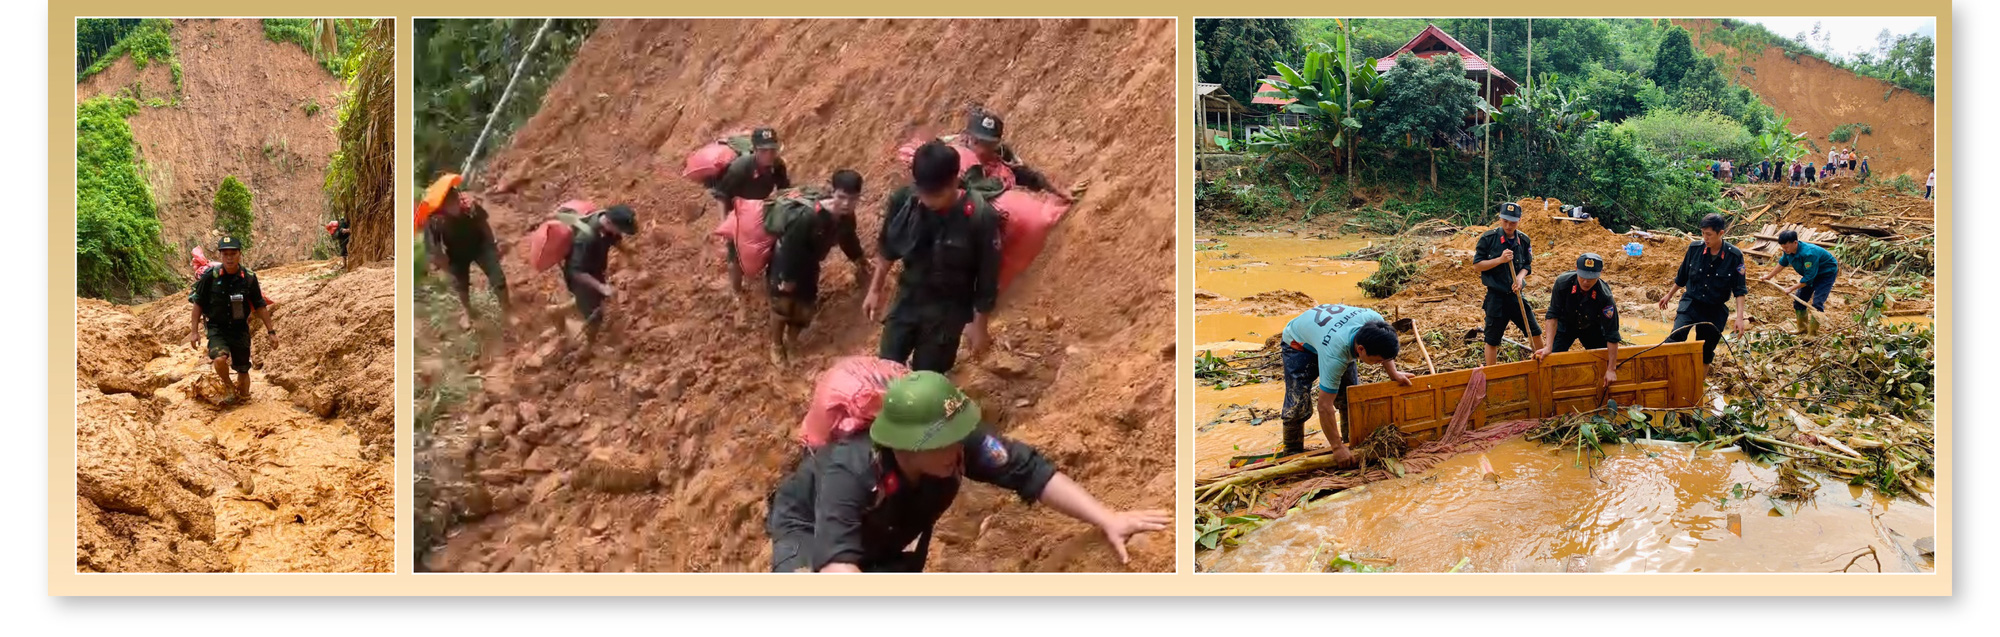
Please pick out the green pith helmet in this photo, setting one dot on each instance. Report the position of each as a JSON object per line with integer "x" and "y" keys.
{"x": 923, "y": 411}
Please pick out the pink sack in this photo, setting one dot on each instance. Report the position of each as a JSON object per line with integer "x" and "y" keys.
{"x": 548, "y": 244}
{"x": 1026, "y": 220}
{"x": 200, "y": 261}
{"x": 846, "y": 398}
{"x": 745, "y": 226}
{"x": 708, "y": 161}
{"x": 966, "y": 160}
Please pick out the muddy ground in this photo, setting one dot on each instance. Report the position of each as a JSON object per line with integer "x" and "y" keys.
{"x": 241, "y": 111}
{"x": 657, "y": 453}
{"x": 1819, "y": 96}
{"x": 298, "y": 479}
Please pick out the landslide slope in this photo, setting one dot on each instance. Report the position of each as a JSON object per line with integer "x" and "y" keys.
{"x": 657, "y": 453}
{"x": 1819, "y": 96}
{"x": 242, "y": 111}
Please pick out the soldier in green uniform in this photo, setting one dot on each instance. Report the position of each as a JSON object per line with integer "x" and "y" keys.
{"x": 225, "y": 297}
{"x": 1497, "y": 249}
{"x": 752, "y": 176}
{"x": 868, "y": 503}
{"x": 1712, "y": 272}
{"x": 1581, "y": 309}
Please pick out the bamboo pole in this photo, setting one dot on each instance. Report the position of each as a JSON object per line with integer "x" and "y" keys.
{"x": 504, "y": 94}
{"x": 1486, "y": 182}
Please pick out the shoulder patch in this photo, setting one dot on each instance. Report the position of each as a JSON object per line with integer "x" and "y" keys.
{"x": 1610, "y": 310}
{"x": 993, "y": 452}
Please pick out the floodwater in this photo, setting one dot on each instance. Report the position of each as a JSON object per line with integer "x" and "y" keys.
{"x": 1644, "y": 508}
{"x": 1250, "y": 265}
{"x": 1248, "y": 424}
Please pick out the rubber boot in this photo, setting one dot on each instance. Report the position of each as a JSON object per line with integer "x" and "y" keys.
{"x": 1805, "y": 324}
{"x": 1812, "y": 326}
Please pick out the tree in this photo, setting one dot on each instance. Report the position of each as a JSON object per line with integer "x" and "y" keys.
{"x": 1672, "y": 60}
{"x": 1239, "y": 52}
{"x": 361, "y": 179}
{"x": 1615, "y": 94}
{"x": 1686, "y": 138}
{"x": 1426, "y": 101}
{"x": 1332, "y": 118}
{"x": 462, "y": 67}
{"x": 233, "y": 215}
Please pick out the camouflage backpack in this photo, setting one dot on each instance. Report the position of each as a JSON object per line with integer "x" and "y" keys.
{"x": 790, "y": 206}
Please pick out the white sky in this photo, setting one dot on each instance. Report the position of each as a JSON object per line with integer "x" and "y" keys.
{"x": 1850, "y": 34}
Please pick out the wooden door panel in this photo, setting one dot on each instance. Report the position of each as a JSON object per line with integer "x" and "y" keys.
{"x": 1665, "y": 376}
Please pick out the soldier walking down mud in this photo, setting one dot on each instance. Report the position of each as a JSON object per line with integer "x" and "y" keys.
{"x": 752, "y": 176}
{"x": 226, "y": 297}
{"x": 457, "y": 235}
{"x": 584, "y": 270}
{"x": 1712, "y": 272}
{"x": 1817, "y": 269}
{"x": 792, "y": 280}
{"x": 949, "y": 243}
{"x": 1581, "y": 309}
{"x": 1504, "y": 259}
{"x": 1328, "y": 343}
{"x": 869, "y": 503}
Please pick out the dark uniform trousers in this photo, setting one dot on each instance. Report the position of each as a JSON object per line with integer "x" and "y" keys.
{"x": 1708, "y": 321}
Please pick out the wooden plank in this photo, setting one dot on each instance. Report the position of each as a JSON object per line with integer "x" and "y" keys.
{"x": 1667, "y": 376}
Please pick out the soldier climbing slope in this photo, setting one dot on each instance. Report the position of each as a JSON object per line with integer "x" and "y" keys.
{"x": 226, "y": 296}
{"x": 751, "y": 176}
{"x": 812, "y": 225}
{"x": 949, "y": 243}
{"x": 457, "y": 236}
{"x": 868, "y": 503}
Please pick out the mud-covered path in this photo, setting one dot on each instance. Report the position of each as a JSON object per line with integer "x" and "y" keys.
{"x": 300, "y": 478}
{"x": 657, "y": 452}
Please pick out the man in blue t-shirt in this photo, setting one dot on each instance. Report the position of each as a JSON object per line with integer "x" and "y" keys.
{"x": 1324, "y": 343}
{"x": 1817, "y": 270}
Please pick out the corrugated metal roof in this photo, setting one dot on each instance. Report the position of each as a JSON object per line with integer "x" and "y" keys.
{"x": 1203, "y": 88}
{"x": 1265, "y": 87}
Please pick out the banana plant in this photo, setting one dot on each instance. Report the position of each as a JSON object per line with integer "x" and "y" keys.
{"x": 1777, "y": 144}
{"x": 1319, "y": 91}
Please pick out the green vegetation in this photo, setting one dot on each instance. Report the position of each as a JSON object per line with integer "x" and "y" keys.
{"x": 331, "y": 41}
{"x": 147, "y": 41}
{"x": 1907, "y": 61}
{"x": 1845, "y": 132}
{"x": 118, "y": 249}
{"x": 1239, "y": 53}
{"x": 360, "y": 179}
{"x": 311, "y": 107}
{"x": 233, "y": 215}
{"x": 463, "y": 66}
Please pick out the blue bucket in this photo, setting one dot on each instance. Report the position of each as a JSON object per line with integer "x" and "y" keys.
{"x": 1634, "y": 249}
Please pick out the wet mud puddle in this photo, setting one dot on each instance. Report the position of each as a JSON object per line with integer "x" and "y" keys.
{"x": 1643, "y": 509}
{"x": 1254, "y": 284}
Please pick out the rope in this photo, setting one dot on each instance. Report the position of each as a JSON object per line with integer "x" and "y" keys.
{"x": 504, "y": 94}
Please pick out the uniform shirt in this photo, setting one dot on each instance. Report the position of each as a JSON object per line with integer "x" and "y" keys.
{"x": 1812, "y": 262}
{"x": 743, "y": 180}
{"x": 1583, "y": 310}
{"x": 1712, "y": 278}
{"x": 1491, "y": 245}
{"x": 951, "y": 258}
{"x": 1024, "y": 175}
{"x": 803, "y": 247}
{"x": 211, "y": 293}
{"x": 589, "y": 250}
{"x": 1328, "y": 332}
{"x": 858, "y": 508}
{"x": 462, "y": 235}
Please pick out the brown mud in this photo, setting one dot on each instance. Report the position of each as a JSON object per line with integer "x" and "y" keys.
{"x": 241, "y": 111}
{"x": 656, "y": 451}
{"x": 298, "y": 479}
{"x": 1819, "y": 96}
{"x": 1644, "y": 508}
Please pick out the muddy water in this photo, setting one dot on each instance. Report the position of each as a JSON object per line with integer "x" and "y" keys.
{"x": 1643, "y": 331}
{"x": 1249, "y": 265}
{"x": 1235, "y": 435}
{"x": 1643, "y": 509}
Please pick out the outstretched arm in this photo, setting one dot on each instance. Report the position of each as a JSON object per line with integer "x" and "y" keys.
{"x": 1067, "y": 497}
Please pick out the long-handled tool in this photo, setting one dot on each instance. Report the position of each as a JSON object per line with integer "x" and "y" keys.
{"x": 1788, "y": 294}
{"x": 1529, "y": 332}
{"x": 1407, "y": 324}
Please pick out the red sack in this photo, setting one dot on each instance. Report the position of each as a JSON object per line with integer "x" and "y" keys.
{"x": 200, "y": 261}
{"x": 966, "y": 160}
{"x": 548, "y": 244}
{"x": 708, "y": 161}
{"x": 1025, "y": 222}
{"x": 745, "y": 226}
{"x": 846, "y": 398}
